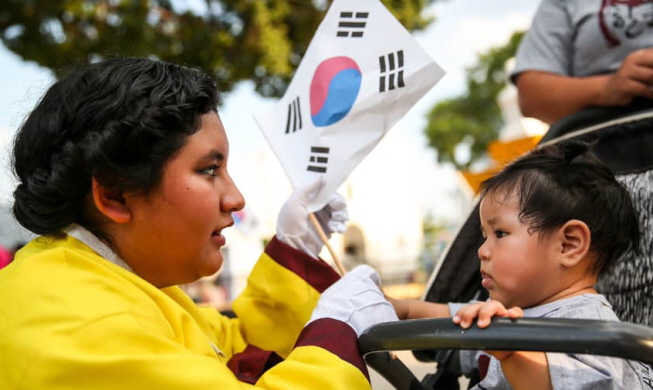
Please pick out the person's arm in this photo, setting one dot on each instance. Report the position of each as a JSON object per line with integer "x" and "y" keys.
{"x": 525, "y": 370}
{"x": 522, "y": 369}
{"x": 281, "y": 293}
{"x": 289, "y": 277}
{"x": 133, "y": 352}
{"x": 550, "y": 97}
{"x": 270, "y": 342}
{"x": 408, "y": 309}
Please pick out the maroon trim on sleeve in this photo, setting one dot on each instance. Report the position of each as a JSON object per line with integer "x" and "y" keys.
{"x": 315, "y": 272}
{"x": 249, "y": 365}
{"x": 336, "y": 337}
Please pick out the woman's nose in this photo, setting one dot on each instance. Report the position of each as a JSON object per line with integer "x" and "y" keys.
{"x": 233, "y": 199}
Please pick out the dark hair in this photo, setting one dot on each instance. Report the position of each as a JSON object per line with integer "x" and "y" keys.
{"x": 565, "y": 181}
{"x": 118, "y": 121}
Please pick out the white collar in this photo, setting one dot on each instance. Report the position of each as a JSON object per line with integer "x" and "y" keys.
{"x": 102, "y": 249}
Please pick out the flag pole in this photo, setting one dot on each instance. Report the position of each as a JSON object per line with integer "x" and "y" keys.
{"x": 325, "y": 240}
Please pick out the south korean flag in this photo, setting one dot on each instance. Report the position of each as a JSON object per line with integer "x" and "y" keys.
{"x": 361, "y": 73}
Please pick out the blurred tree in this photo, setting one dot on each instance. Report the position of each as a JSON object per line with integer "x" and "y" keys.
{"x": 259, "y": 40}
{"x": 437, "y": 234}
{"x": 473, "y": 119}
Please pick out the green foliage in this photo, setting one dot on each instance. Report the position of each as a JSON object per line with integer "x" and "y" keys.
{"x": 432, "y": 228}
{"x": 473, "y": 119}
{"x": 437, "y": 233}
{"x": 259, "y": 40}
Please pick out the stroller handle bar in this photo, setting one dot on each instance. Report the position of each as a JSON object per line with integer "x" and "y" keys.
{"x": 596, "y": 337}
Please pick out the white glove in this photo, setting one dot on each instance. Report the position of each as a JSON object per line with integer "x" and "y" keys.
{"x": 294, "y": 227}
{"x": 357, "y": 300}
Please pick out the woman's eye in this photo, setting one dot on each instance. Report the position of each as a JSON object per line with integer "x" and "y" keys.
{"x": 211, "y": 171}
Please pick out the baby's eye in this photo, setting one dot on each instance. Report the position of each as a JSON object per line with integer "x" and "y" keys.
{"x": 500, "y": 233}
{"x": 211, "y": 171}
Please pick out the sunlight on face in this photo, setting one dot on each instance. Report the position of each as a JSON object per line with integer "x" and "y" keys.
{"x": 517, "y": 266}
{"x": 175, "y": 235}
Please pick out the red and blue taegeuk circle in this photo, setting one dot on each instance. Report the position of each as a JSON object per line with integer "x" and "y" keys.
{"x": 334, "y": 89}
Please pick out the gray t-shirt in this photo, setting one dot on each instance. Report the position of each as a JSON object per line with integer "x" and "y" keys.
{"x": 584, "y": 37}
{"x": 572, "y": 371}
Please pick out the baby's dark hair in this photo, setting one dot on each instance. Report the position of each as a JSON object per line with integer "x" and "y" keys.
{"x": 565, "y": 181}
{"x": 118, "y": 121}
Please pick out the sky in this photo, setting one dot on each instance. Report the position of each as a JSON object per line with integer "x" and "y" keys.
{"x": 462, "y": 30}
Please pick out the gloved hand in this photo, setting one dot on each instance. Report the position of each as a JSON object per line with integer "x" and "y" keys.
{"x": 357, "y": 300}
{"x": 294, "y": 227}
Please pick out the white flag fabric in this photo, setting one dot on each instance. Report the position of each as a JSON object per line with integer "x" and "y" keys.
{"x": 361, "y": 73}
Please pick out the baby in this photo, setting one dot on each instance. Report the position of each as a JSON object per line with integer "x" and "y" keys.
{"x": 552, "y": 221}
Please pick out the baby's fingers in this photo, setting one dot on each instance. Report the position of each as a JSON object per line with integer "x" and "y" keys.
{"x": 489, "y": 310}
{"x": 467, "y": 314}
{"x": 483, "y": 313}
{"x": 496, "y": 310}
{"x": 515, "y": 312}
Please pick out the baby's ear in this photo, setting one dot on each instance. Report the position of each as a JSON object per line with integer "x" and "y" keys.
{"x": 110, "y": 203}
{"x": 575, "y": 237}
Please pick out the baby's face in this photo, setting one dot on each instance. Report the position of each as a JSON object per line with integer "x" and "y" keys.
{"x": 518, "y": 267}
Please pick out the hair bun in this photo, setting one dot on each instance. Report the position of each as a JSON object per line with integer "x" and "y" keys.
{"x": 573, "y": 150}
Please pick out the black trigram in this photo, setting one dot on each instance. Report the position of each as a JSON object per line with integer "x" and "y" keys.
{"x": 352, "y": 24}
{"x": 294, "y": 120}
{"x": 318, "y": 160}
{"x": 392, "y": 71}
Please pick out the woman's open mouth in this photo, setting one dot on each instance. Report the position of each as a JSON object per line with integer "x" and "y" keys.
{"x": 218, "y": 238}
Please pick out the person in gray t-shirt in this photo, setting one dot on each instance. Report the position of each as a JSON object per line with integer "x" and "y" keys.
{"x": 552, "y": 221}
{"x": 581, "y": 53}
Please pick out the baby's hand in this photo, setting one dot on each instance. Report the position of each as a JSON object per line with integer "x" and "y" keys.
{"x": 484, "y": 311}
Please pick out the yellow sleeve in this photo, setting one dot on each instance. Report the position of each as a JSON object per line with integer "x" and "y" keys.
{"x": 314, "y": 368}
{"x": 280, "y": 295}
{"x": 118, "y": 353}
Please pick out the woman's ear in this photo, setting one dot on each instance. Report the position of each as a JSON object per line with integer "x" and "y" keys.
{"x": 110, "y": 203}
{"x": 575, "y": 236}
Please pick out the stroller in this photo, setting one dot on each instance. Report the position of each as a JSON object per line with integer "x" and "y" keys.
{"x": 622, "y": 138}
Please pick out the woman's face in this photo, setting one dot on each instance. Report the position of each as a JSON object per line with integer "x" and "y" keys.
{"x": 174, "y": 235}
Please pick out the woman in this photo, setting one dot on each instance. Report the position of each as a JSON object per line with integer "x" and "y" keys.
{"x": 122, "y": 170}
